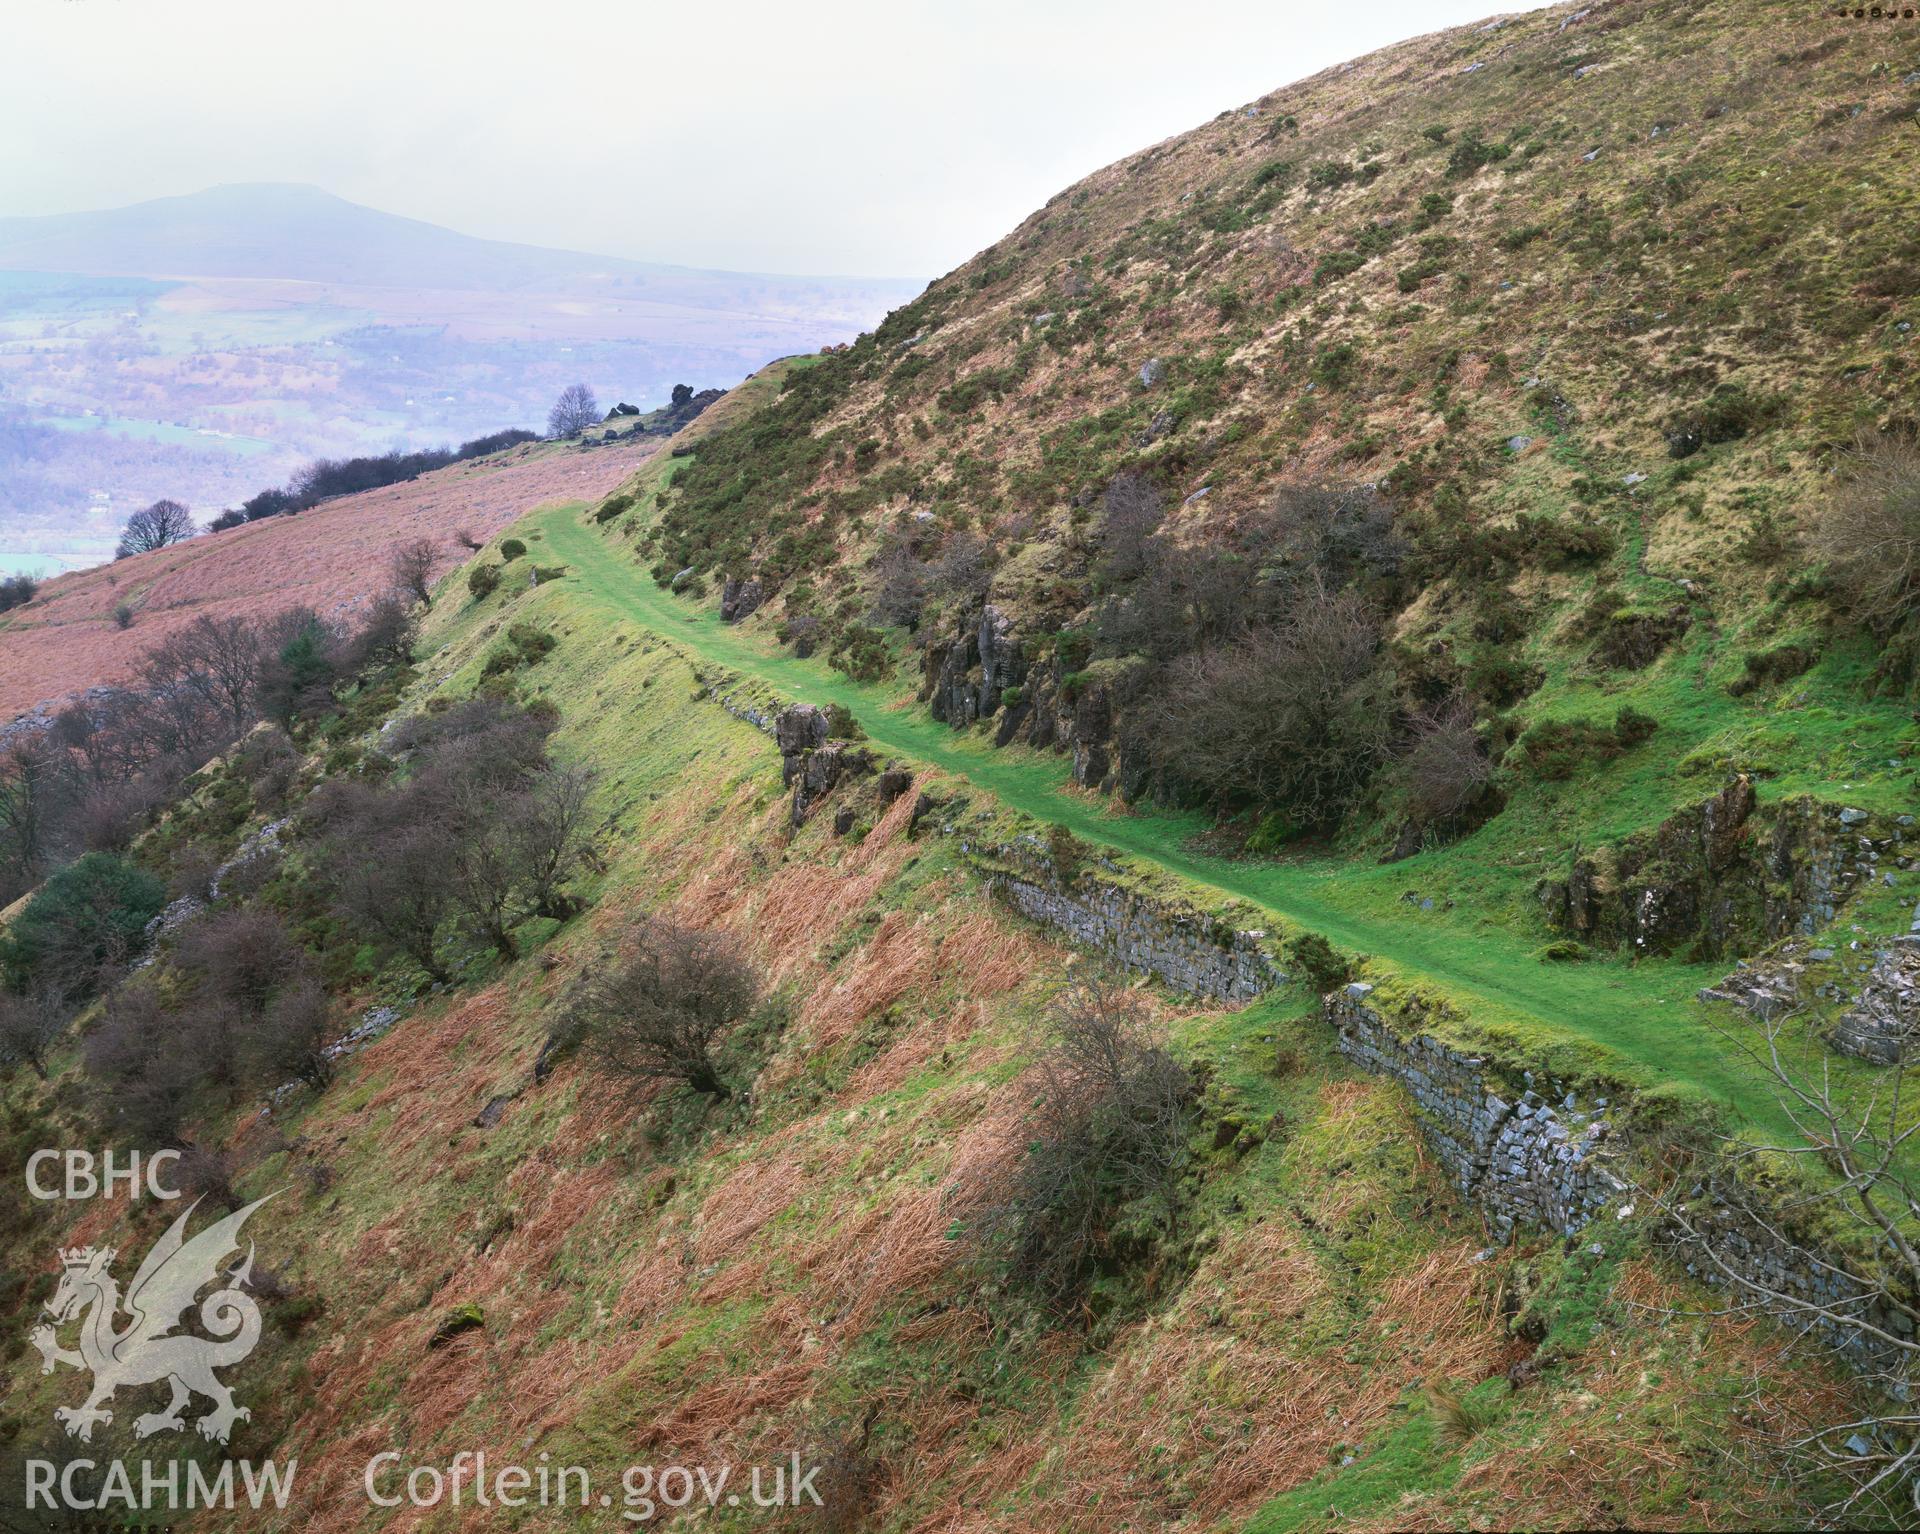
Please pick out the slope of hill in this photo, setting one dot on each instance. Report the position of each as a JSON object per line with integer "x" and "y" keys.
{"x": 334, "y": 558}
{"x": 489, "y": 1245}
{"x": 1541, "y": 340}
{"x": 1253, "y": 373}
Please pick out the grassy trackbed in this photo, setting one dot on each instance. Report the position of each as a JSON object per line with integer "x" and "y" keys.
{"x": 1637, "y": 1020}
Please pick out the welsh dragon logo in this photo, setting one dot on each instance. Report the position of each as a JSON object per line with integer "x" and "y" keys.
{"x": 149, "y": 1348}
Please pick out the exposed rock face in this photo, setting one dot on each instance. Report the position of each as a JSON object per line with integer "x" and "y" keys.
{"x": 965, "y": 677}
{"x": 738, "y": 598}
{"x": 1002, "y": 664}
{"x": 810, "y": 763}
{"x": 950, "y": 691}
{"x": 1884, "y": 1020}
{"x": 1723, "y": 876}
{"x": 796, "y": 731}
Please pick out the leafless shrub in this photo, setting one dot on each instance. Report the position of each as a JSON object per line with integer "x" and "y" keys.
{"x": 1101, "y": 1181}
{"x": 412, "y": 568}
{"x": 385, "y": 636}
{"x": 1447, "y": 767}
{"x": 899, "y": 587}
{"x": 239, "y": 958}
{"x": 961, "y": 567}
{"x": 551, "y": 840}
{"x": 1186, "y": 598}
{"x": 30, "y": 1024}
{"x": 1870, "y": 533}
{"x": 850, "y": 1476}
{"x": 1133, "y": 508}
{"x": 207, "y": 1172}
{"x": 1293, "y": 717}
{"x": 288, "y": 1040}
{"x": 143, "y": 1067}
{"x": 663, "y": 1006}
{"x": 1338, "y": 534}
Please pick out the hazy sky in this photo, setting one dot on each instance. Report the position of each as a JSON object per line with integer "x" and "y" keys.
{"x": 878, "y": 137}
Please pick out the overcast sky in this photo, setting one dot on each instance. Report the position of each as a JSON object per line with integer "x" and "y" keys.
{"x": 872, "y": 137}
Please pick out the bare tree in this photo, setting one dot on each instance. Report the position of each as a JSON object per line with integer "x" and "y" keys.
{"x": 573, "y": 412}
{"x": 413, "y": 568}
{"x": 36, "y": 782}
{"x": 899, "y": 587}
{"x": 1447, "y": 767}
{"x": 661, "y": 1009}
{"x": 551, "y": 841}
{"x": 1134, "y": 506}
{"x": 288, "y": 1039}
{"x": 143, "y": 1067}
{"x": 388, "y": 871}
{"x": 217, "y": 658}
{"x": 1108, "y": 1134}
{"x": 1294, "y": 717}
{"x": 1870, "y": 533}
{"x": 161, "y": 524}
{"x": 1856, "y": 1149}
{"x": 30, "y": 1022}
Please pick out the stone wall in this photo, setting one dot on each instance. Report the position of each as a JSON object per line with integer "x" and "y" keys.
{"x": 1184, "y": 948}
{"x": 1531, "y": 1151}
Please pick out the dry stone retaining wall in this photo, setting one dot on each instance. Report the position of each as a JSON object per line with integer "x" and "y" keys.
{"x": 1543, "y": 1157}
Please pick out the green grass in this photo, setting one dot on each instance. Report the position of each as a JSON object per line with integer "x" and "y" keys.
{"x": 1634, "y": 1019}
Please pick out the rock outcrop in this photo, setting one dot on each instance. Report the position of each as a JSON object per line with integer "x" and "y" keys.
{"x": 1725, "y": 876}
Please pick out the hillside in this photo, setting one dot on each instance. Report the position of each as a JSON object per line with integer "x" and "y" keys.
{"x": 1574, "y": 457}
{"x": 630, "y": 1277}
{"x": 333, "y": 558}
{"x": 1091, "y": 914}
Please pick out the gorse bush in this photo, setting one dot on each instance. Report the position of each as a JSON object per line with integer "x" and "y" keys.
{"x": 88, "y": 919}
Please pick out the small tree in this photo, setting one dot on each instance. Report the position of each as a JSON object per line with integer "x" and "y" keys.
{"x": 1447, "y": 768}
{"x": 388, "y": 870}
{"x": 1294, "y": 717}
{"x": 1106, "y": 1148}
{"x": 412, "y": 568}
{"x": 1870, "y": 534}
{"x": 161, "y": 524}
{"x": 661, "y": 1009}
{"x": 29, "y": 1025}
{"x": 288, "y": 1039}
{"x": 573, "y": 412}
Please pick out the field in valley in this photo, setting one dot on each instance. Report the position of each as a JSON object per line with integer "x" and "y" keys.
{"x": 333, "y": 559}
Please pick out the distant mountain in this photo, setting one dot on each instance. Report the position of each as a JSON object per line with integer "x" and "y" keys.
{"x": 302, "y": 233}
{"x": 201, "y": 347}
